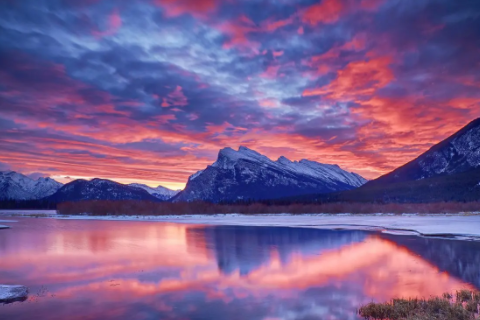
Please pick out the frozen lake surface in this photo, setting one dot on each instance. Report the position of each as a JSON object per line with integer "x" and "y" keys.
{"x": 203, "y": 268}
{"x": 463, "y": 226}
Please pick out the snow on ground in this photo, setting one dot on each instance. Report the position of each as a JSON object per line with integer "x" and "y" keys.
{"x": 463, "y": 226}
{"x": 12, "y": 293}
{"x": 26, "y": 212}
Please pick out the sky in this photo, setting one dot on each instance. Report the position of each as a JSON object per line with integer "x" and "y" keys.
{"x": 149, "y": 90}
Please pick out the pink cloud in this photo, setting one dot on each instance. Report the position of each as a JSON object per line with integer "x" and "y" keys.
{"x": 268, "y": 103}
{"x": 240, "y": 28}
{"x": 114, "y": 23}
{"x": 197, "y": 8}
{"x": 175, "y": 98}
{"x": 277, "y": 53}
{"x": 327, "y": 11}
{"x": 271, "y": 25}
{"x": 270, "y": 73}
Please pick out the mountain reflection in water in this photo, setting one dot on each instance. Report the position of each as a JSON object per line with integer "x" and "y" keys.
{"x": 152, "y": 270}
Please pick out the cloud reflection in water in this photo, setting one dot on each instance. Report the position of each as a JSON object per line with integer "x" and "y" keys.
{"x": 144, "y": 270}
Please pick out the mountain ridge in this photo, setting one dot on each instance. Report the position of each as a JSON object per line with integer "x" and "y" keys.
{"x": 159, "y": 192}
{"x": 16, "y": 186}
{"x": 444, "y": 157}
{"x": 246, "y": 174}
{"x": 447, "y": 171}
{"x": 99, "y": 189}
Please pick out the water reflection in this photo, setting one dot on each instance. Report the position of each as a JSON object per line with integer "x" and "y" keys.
{"x": 140, "y": 270}
{"x": 459, "y": 258}
{"x": 244, "y": 249}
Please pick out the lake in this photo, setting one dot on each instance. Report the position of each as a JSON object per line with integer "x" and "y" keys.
{"x": 89, "y": 269}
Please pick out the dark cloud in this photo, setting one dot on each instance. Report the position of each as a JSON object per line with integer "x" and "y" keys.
{"x": 128, "y": 82}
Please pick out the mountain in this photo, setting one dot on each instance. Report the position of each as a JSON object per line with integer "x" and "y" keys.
{"x": 448, "y": 171}
{"x": 456, "y": 154}
{"x": 159, "y": 192}
{"x": 99, "y": 189}
{"x": 16, "y": 186}
{"x": 246, "y": 174}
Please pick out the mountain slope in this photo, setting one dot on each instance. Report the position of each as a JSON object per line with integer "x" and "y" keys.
{"x": 99, "y": 189}
{"x": 159, "y": 192}
{"x": 448, "y": 171}
{"x": 16, "y": 186}
{"x": 246, "y": 174}
{"x": 458, "y": 153}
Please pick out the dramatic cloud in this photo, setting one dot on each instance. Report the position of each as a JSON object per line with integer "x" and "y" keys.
{"x": 149, "y": 90}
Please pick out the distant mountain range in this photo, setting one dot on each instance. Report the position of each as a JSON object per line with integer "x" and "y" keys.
{"x": 99, "y": 189}
{"x": 248, "y": 175}
{"x": 448, "y": 171}
{"x": 159, "y": 192}
{"x": 17, "y": 186}
{"x": 236, "y": 175}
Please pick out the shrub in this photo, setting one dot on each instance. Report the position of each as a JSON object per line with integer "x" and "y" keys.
{"x": 131, "y": 207}
{"x": 424, "y": 309}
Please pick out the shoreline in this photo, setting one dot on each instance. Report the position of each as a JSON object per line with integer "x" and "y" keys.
{"x": 461, "y": 226}
{"x": 445, "y": 226}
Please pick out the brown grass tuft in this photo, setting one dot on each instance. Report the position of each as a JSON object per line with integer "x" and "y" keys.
{"x": 425, "y": 309}
{"x": 100, "y": 207}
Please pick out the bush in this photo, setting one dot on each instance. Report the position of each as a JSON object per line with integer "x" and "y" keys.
{"x": 131, "y": 207}
{"x": 425, "y": 309}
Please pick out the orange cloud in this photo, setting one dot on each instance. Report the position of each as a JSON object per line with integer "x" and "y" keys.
{"x": 357, "y": 79}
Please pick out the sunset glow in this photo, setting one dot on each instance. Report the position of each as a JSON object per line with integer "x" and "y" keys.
{"x": 148, "y": 91}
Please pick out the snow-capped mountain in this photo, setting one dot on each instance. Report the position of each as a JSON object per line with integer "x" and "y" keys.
{"x": 159, "y": 192}
{"x": 99, "y": 189}
{"x": 246, "y": 174}
{"x": 16, "y": 186}
{"x": 456, "y": 154}
{"x": 448, "y": 171}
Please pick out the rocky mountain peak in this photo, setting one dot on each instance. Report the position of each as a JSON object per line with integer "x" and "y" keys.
{"x": 14, "y": 185}
{"x": 247, "y": 174}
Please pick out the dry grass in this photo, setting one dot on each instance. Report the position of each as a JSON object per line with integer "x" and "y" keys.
{"x": 464, "y": 307}
{"x": 166, "y": 208}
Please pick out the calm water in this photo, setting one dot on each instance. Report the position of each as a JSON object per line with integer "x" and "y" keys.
{"x": 152, "y": 270}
